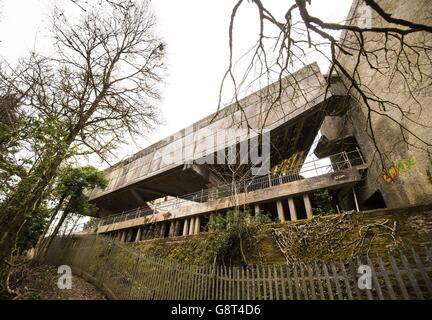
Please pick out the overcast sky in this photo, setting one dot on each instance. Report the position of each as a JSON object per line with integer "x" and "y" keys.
{"x": 196, "y": 34}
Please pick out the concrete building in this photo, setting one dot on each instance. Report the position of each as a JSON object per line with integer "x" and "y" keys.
{"x": 403, "y": 131}
{"x": 172, "y": 187}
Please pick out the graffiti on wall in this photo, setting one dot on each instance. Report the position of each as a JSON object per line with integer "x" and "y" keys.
{"x": 400, "y": 167}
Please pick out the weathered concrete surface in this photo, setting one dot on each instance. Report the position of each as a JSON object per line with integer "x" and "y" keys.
{"x": 415, "y": 185}
{"x": 340, "y": 179}
{"x": 413, "y": 228}
{"x": 155, "y": 169}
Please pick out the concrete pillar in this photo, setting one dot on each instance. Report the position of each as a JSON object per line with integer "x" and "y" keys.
{"x": 129, "y": 235}
{"x": 308, "y": 206}
{"x": 138, "y": 236}
{"x": 186, "y": 227}
{"x": 162, "y": 230}
{"x": 171, "y": 229}
{"x": 197, "y": 225}
{"x": 257, "y": 209}
{"x": 280, "y": 211}
{"x": 355, "y": 200}
{"x": 191, "y": 226}
{"x": 123, "y": 236}
{"x": 177, "y": 226}
{"x": 292, "y": 209}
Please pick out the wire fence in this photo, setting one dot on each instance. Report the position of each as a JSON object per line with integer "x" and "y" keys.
{"x": 334, "y": 163}
{"x": 126, "y": 273}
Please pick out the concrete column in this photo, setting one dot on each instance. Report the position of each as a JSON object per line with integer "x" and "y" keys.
{"x": 185, "y": 227}
{"x": 257, "y": 209}
{"x": 146, "y": 232}
{"x": 162, "y": 230}
{"x": 129, "y": 236}
{"x": 280, "y": 211}
{"x": 171, "y": 229}
{"x": 355, "y": 200}
{"x": 197, "y": 225}
{"x": 292, "y": 209}
{"x": 177, "y": 226}
{"x": 191, "y": 226}
{"x": 308, "y": 206}
{"x": 123, "y": 236}
{"x": 138, "y": 236}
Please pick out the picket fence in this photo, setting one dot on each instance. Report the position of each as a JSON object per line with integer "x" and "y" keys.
{"x": 126, "y": 273}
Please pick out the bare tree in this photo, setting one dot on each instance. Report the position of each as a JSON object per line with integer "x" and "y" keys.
{"x": 394, "y": 48}
{"x": 101, "y": 85}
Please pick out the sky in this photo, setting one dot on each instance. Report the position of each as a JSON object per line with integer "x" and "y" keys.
{"x": 196, "y": 34}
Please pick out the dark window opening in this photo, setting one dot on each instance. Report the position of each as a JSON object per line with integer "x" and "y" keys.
{"x": 375, "y": 201}
{"x": 300, "y": 207}
{"x": 270, "y": 209}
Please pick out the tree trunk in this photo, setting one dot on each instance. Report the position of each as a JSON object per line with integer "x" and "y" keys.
{"x": 16, "y": 209}
{"x": 39, "y": 245}
{"x": 46, "y": 246}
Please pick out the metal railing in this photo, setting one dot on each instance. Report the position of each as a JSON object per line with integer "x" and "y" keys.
{"x": 334, "y": 163}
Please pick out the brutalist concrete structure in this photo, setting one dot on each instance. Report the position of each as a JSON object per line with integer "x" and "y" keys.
{"x": 150, "y": 197}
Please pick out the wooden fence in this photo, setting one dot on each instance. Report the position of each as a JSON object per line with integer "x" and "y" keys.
{"x": 124, "y": 273}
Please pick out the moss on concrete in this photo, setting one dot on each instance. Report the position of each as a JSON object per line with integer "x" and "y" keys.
{"x": 412, "y": 227}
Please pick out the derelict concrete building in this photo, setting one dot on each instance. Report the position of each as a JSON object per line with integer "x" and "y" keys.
{"x": 171, "y": 188}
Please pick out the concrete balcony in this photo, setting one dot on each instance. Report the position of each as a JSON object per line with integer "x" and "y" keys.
{"x": 183, "y": 214}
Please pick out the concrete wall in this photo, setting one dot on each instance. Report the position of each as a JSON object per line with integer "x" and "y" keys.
{"x": 415, "y": 185}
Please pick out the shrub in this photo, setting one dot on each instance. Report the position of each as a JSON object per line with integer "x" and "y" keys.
{"x": 233, "y": 234}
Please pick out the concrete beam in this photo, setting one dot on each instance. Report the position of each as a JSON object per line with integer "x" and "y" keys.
{"x": 292, "y": 209}
{"x": 280, "y": 211}
{"x": 308, "y": 206}
{"x": 137, "y": 196}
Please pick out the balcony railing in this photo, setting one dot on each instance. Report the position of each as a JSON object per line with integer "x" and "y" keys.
{"x": 333, "y": 163}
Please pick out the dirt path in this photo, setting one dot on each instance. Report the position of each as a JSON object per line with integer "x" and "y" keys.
{"x": 40, "y": 283}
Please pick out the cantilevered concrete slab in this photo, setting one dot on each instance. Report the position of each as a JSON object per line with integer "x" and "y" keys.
{"x": 288, "y": 109}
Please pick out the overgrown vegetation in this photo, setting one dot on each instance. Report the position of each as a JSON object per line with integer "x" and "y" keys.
{"x": 322, "y": 202}
{"x": 323, "y": 238}
{"x": 98, "y": 87}
{"x": 233, "y": 234}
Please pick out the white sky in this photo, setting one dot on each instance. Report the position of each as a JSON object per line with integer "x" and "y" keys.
{"x": 196, "y": 34}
